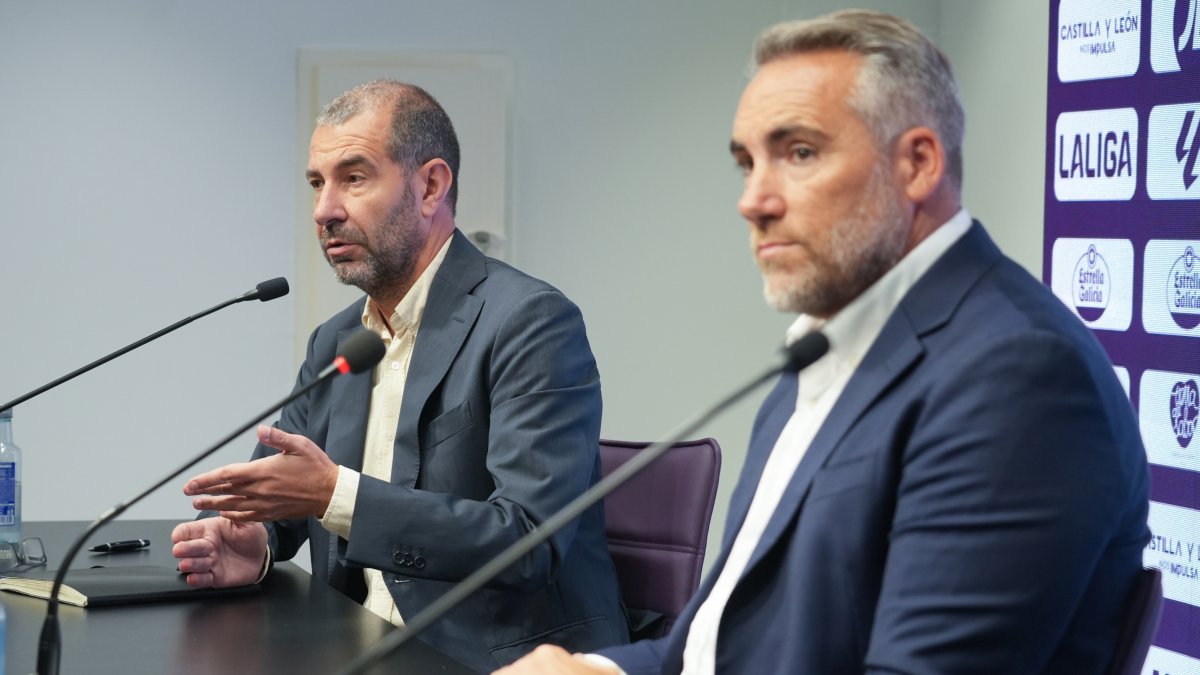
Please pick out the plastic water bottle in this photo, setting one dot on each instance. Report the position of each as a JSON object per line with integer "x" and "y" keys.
{"x": 10, "y": 482}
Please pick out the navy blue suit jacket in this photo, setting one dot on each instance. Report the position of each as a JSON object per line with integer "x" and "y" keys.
{"x": 499, "y": 428}
{"x": 974, "y": 503}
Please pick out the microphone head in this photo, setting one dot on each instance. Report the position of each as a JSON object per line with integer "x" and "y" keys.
{"x": 803, "y": 352}
{"x": 362, "y": 351}
{"x": 271, "y": 289}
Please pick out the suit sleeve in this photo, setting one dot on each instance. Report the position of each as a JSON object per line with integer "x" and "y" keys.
{"x": 1014, "y": 482}
{"x": 644, "y": 657}
{"x": 544, "y": 425}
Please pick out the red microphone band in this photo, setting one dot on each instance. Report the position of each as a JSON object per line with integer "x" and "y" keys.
{"x": 341, "y": 364}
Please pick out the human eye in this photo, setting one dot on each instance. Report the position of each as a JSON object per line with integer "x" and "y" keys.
{"x": 801, "y": 153}
{"x": 315, "y": 183}
{"x": 743, "y": 164}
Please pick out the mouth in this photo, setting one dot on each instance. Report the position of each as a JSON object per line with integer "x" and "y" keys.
{"x": 770, "y": 250}
{"x": 336, "y": 249}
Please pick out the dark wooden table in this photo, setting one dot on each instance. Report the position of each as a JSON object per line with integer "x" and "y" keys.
{"x": 294, "y": 625}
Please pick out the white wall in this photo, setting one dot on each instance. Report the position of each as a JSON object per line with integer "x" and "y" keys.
{"x": 1000, "y": 52}
{"x": 148, "y": 171}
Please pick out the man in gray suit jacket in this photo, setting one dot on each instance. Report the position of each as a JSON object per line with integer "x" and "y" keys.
{"x": 481, "y": 421}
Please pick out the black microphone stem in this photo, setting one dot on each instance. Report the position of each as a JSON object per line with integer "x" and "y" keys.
{"x": 50, "y": 642}
{"x": 559, "y": 520}
{"x": 105, "y": 359}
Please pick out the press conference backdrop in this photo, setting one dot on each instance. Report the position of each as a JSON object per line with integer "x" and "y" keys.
{"x": 1122, "y": 249}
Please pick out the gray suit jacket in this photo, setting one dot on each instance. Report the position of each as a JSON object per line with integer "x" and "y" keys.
{"x": 498, "y": 430}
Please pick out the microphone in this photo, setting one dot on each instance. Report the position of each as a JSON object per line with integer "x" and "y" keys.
{"x": 797, "y": 356}
{"x": 267, "y": 290}
{"x": 359, "y": 353}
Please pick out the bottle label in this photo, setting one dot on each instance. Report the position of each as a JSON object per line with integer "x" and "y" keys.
{"x": 8, "y": 494}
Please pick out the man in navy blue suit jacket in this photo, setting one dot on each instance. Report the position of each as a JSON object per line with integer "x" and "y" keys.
{"x": 958, "y": 486}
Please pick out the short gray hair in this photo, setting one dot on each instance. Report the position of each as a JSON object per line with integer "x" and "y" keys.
{"x": 905, "y": 81}
{"x": 420, "y": 128}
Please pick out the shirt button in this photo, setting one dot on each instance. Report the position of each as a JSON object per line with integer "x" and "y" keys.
{"x": 395, "y": 365}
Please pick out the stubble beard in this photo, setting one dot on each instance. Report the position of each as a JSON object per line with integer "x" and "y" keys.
{"x": 862, "y": 247}
{"x": 389, "y": 260}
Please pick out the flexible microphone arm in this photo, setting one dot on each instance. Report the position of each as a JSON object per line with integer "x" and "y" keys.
{"x": 359, "y": 352}
{"x": 267, "y": 290}
{"x": 799, "y": 355}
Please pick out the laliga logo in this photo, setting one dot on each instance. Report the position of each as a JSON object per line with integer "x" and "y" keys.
{"x": 1189, "y": 35}
{"x": 1175, "y": 35}
{"x": 1091, "y": 273}
{"x": 1185, "y": 407}
{"x": 1186, "y": 151}
{"x": 1183, "y": 290}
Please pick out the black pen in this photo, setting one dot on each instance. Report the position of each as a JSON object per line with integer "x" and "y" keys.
{"x": 118, "y": 546}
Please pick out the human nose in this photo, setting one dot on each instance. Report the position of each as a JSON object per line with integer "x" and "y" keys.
{"x": 761, "y": 200}
{"x": 328, "y": 208}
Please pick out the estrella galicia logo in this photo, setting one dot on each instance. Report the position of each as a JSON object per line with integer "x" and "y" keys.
{"x": 1174, "y": 35}
{"x": 1185, "y": 407}
{"x": 1094, "y": 285}
{"x": 1173, "y": 148}
{"x": 1095, "y": 155}
{"x": 1183, "y": 290}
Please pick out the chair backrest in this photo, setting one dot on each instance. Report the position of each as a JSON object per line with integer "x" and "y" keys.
{"x": 1141, "y": 621}
{"x": 657, "y": 526}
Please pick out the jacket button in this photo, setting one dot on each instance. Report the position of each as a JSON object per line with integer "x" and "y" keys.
{"x": 419, "y": 563}
{"x": 408, "y": 560}
{"x": 398, "y": 558}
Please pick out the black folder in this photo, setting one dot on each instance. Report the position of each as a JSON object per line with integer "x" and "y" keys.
{"x": 106, "y": 586}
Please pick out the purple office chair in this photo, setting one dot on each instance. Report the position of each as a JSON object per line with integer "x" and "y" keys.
{"x": 1141, "y": 621}
{"x": 657, "y": 526}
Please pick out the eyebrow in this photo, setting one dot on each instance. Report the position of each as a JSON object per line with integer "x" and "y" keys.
{"x": 347, "y": 163}
{"x": 781, "y": 134}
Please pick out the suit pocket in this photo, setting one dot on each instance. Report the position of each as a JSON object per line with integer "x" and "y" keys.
{"x": 582, "y": 635}
{"x": 447, "y": 424}
{"x": 838, "y": 478}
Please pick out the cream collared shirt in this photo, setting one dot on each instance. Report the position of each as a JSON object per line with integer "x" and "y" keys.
{"x": 399, "y": 334}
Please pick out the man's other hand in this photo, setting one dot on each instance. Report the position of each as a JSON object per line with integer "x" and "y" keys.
{"x": 219, "y": 553}
{"x": 549, "y": 659}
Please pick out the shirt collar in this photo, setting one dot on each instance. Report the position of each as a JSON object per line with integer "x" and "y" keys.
{"x": 406, "y": 316}
{"x": 852, "y": 330}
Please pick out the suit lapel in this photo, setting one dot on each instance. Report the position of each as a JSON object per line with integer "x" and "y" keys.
{"x": 450, "y": 311}
{"x": 350, "y": 403}
{"x": 777, "y": 409}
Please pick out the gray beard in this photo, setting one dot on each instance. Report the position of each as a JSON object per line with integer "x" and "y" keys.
{"x": 390, "y": 260}
{"x": 865, "y": 245}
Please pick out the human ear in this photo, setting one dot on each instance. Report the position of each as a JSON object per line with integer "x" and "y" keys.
{"x": 920, "y": 162}
{"x": 434, "y": 181}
